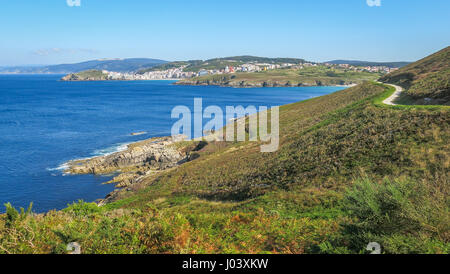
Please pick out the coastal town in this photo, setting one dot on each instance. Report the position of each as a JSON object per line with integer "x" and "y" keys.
{"x": 179, "y": 73}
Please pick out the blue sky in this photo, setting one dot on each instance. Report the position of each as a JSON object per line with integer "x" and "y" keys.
{"x": 51, "y": 31}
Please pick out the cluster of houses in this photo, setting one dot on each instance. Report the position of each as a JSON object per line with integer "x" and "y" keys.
{"x": 254, "y": 67}
{"x": 248, "y": 67}
{"x": 170, "y": 74}
{"x": 382, "y": 69}
{"x": 179, "y": 73}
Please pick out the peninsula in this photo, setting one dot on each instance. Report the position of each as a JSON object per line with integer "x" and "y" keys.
{"x": 246, "y": 71}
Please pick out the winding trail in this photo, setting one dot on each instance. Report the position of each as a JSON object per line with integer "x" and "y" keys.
{"x": 391, "y": 99}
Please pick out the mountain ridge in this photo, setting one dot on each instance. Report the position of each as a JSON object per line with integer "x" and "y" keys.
{"x": 119, "y": 65}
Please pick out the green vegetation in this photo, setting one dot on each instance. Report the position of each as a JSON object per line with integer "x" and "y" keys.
{"x": 306, "y": 198}
{"x": 349, "y": 171}
{"x": 88, "y": 75}
{"x": 366, "y": 63}
{"x": 426, "y": 81}
{"x": 171, "y": 65}
{"x": 398, "y": 213}
{"x": 91, "y": 73}
{"x": 308, "y": 76}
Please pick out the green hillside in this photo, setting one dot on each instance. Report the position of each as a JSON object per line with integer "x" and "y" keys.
{"x": 88, "y": 75}
{"x": 221, "y": 63}
{"x": 427, "y": 78}
{"x": 308, "y": 76}
{"x": 349, "y": 171}
{"x": 171, "y": 65}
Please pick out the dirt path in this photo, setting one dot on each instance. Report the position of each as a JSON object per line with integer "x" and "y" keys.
{"x": 391, "y": 99}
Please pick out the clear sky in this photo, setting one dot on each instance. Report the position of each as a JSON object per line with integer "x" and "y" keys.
{"x": 51, "y": 31}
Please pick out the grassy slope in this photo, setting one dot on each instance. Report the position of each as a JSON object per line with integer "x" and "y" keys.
{"x": 308, "y": 76}
{"x": 348, "y": 171}
{"x": 427, "y": 78}
{"x": 88, "y": 75}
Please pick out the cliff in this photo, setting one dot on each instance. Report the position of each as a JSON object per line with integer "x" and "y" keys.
{"x": 136, "y": 162}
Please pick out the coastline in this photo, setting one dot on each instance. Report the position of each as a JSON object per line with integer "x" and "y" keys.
{"x": 134, "y": 163}
{"x": 129, "y": 165}
{"x": 264, "y": 84}
{"x": 117, "y": 80}
{"x": 186, "y": 82}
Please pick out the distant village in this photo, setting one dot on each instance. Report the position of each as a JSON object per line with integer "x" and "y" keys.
{"x": 380, "y": 69}
{"x": 179, "y": 73}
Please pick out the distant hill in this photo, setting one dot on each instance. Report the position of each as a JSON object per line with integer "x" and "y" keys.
{"x": 118, "y": 65}
{"x": 221, "y": 63}
{"x": 367, "y": 63}
{"x": 426, "y": 78}
{"x": 291, "y": 77}
{"x": 171, "y": 65}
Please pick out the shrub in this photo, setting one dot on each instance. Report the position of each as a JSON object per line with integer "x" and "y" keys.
{"x": 82, "y": 208}
{"x": 395, "y": 212}
{"x": 12, "y": 215}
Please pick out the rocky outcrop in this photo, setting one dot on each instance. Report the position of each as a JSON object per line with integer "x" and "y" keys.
{"x": 139, "y": 158}
{"x": 89, "y": 75}
{"x": 138, "y": 163}
{"x": 71, "y": 77}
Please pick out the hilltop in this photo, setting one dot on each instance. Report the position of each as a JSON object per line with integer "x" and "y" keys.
{"x": 349, "y": 171}
{"x": 222, "y": 63}
{"x": 426, "y": 81}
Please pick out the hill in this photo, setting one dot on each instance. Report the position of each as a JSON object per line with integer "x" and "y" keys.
{"x": 367, "y": 63}
{"x": 221, "y": 63}
{"x": 307, "y": 76}
{"x": 427, "y": 78}
{"x": 349, "y": 171}
{"x": 118, "y": 65}
{"x": 87, "y": 75}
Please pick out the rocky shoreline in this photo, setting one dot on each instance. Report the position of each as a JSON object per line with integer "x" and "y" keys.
{"x": 225, "y": 82}
{"x": 251, "y": 84}
{"x": 139, "y": 161}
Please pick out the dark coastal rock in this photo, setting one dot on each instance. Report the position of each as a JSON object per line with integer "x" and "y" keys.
{"x": 71, "y": 77}
{"x": 156, "y": 153}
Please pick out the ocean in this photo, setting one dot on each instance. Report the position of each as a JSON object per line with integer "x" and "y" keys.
{"x": 45, "y": 122}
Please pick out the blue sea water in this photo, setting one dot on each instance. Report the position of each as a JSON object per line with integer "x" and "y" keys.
{"x": 45, "y": 122}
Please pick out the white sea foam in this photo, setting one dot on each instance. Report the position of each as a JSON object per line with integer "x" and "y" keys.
{"x": 99, "y": 152}
{"x": 60, "y": 167}
{"x": 110, "y": 150}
